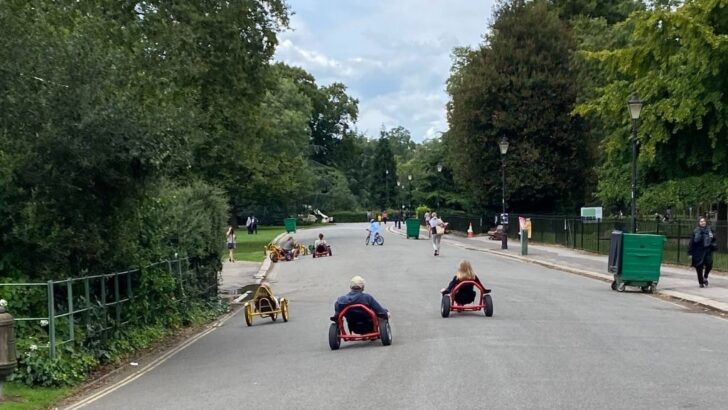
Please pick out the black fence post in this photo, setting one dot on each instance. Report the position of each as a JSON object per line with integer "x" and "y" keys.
{"x": 679, "y": 239}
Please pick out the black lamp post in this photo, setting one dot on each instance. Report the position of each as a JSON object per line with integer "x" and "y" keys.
{"x": 635, "y": 107}
{"x": 386, "y": 186}
{"x": 409, "y": 177}
{"x": 503, "y": 145}
{"x": 439, "y": 171}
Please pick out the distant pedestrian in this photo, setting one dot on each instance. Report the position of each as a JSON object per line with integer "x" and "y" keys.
{"x": 230, "y": 235}
{"x": 254, "y": 224}
{"x": 427, "y": 223}
{"x": 701, "y": 247}
{"x": 385, "y": 215}
{"x": 369, "y": 215}
{"x": 397, "y": 222}
{"x": 437, "y": 229}
{"x": 249, "y": 225}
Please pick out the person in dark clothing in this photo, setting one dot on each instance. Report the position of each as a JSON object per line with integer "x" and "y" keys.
{"x": 466, "y": 294}
{"x": 359, "y": 321}
{"x": 701, "y": 249}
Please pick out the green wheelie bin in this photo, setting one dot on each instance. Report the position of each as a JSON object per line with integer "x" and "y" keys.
{"x": 290, "y": 225}
{"x": 638, "y": 261}
{"x": 413, "y": 228}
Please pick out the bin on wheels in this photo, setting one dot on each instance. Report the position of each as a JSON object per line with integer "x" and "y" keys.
{"x": 290, "y": 225}
{"x": 635, "y": 260}
{"x": 413, "y": 228}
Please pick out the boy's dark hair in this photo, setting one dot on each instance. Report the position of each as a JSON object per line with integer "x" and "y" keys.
{"x": 321, "y": 236}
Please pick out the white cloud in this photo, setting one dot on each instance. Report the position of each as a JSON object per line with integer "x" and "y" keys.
{"x": 393, "y": 55}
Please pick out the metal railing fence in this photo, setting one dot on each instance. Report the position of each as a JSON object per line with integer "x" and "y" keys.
{"x": 104, "y": 302}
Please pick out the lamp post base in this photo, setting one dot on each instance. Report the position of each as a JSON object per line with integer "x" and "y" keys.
{"x": 504, "y": 238}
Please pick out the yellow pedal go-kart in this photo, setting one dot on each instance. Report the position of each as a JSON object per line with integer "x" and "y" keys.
{"x": 264, "y": 304}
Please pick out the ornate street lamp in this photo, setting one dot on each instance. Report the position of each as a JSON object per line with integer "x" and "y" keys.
{"x": 386, "y": 186}
{"x": 503, "y": 145}
{"x": 439, "y": 171}
{"x": 635, "y": 107}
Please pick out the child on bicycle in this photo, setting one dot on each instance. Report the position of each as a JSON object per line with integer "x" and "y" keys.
{"x": 466, "y": 294}
{"x": 373, "y": 231}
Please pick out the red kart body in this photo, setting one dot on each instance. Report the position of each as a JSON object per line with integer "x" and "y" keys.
{"x": 318, "y": 252}
{"x": 485, "y": 302}
{"x": 380, "y": 328}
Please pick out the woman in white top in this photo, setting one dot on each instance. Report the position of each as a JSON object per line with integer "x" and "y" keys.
{"x": 436, "y": 237}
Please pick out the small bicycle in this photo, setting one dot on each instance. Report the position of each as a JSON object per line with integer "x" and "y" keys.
{"x": 378, "y": 239}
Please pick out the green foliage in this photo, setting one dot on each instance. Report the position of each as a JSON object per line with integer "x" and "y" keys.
{"x": 674, "y": 58}
{"x": 519, "y": 84}
{"x": 69, "y": 367}
{"x": 349, "y": 216}
{"x": 698, "y": 192}
{"x": 383, "y": 174}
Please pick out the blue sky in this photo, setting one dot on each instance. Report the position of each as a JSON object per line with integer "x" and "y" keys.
{"x": 393, "y": 55}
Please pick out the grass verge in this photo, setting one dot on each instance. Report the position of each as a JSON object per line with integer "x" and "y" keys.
{"x": 21, "y": 397}
{"x": 250, "y": 247}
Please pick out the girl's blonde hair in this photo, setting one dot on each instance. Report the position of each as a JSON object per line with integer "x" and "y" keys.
{"x": 465, "y": 271}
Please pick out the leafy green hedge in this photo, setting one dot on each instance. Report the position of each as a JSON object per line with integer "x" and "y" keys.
{"x": 349, "y": 216}
{"x": 682, "y": 193}
{"x": 183, "y": 220}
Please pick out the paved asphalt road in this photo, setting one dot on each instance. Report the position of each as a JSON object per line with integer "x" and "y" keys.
{"x": 556, "y": 340}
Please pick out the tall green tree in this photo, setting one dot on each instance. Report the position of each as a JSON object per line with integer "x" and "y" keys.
{"x": 675, "y": 59}
{"x": 519, "y": 85}
{"x": 383, "y": 171}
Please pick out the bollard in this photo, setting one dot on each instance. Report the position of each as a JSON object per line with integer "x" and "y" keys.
{"x": 8, "y": 361}
{"x": 524, "y": 242}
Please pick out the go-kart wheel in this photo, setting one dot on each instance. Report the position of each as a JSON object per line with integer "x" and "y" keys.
{"x": 330, "y": 254}
{"x": 274, "y": 257}
{"x": 314, "y": 255}
{"x": 284, "y": 308}
{"x": 614, "y": 285}
{"x": 445, "y": 306}
{"x": 334, "y": 341}
{"x": 274, "y": 316}
{"x": 620, "y": 287}
{"x": 248, "y": 314}
{"x": 385, "y": 332}
{"x": 488, "y": 306}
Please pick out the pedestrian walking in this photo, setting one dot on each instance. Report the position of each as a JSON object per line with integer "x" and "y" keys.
{"x": 701, "y": 247}
{"x": 230, "y": 235}
{"x": 427, "y": 223}
{"x": 249, "y": 225}
{"x": 254, "y": 224}
{"x": 437, "y": 229}
{"x": 385, "y": 215}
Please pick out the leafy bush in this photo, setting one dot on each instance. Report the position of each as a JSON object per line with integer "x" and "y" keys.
{"x": 681, "y": 193}
{"x": 349, "y": 216}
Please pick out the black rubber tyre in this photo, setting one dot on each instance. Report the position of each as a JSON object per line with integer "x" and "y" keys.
{"x": 274, "y": 257}
{"x": 330, "y": 254}
{"x": 614, "y": 285}
{"x": 385, "y": 332}
{"x": 274, "y": 317}
{"x": 488, "y": 306}
{"x": 380, "y": 240}
{"x": 445, "y": 306}
{"x": 334, "y": 341}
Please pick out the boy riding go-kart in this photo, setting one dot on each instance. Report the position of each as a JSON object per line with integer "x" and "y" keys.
{"x": 321, "y": 248}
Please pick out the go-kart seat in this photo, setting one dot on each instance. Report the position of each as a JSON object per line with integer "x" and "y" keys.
{"x": 359, "y": 321}
{"x": 321, "y": 248}
{"x": 465, "y": 295}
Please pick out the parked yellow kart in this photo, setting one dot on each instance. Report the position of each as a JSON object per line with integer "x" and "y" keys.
{"x": 264, "y": 304}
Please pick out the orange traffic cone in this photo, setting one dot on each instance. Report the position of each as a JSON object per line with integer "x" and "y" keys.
{"x": 470, "y": 231}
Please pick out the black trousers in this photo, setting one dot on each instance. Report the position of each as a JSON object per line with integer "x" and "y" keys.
{"x": 704, "y": 267}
